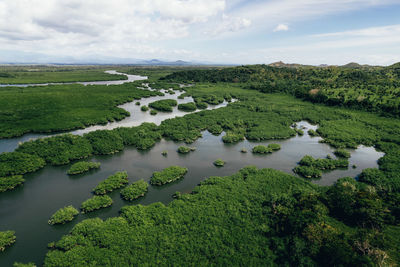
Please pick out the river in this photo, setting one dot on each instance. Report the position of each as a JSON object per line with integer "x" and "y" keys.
{"x": 27, "y": 209}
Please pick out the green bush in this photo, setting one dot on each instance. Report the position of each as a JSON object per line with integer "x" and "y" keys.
{"x": 115, "y": 181}
{"x": 82, "y": 166}
{"x": 95, "y": 203}
{"x": 134, "y": 191}
{"x": 185, "y": 149}
{"x": 144, "y": 108}
{"x": 153, "y": 112}
{"x": 201, "y": 105}
{"x": 168, "y": 175}
{"x": 19, "y": 264}
{"x": 274, "y": 147}
{"x": 7, "y": 238}
{"x": 231, "y": 137}
{"x": 10, "y": 182}
{"x": 105, "y": 142}
{"x": 63, "y": 215}
{"x": 342, "y": 153}
{"x": 164, "y": 105}
{"x": 142, "y": 137}
{"x": 59, "y": 149}
{"x": 14, "y": 163}
{"x": 219, "y": 163}
{"x": 308, "y": 172}
{"x": 311, "y": 132}
{"x": 188, "y": 107}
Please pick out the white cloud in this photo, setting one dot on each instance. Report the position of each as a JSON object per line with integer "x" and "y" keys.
{"x": 229, "y": 24}
{"x": 281, "y": 27}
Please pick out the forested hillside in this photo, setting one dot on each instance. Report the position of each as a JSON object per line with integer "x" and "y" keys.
{"x": 370, "y": 88}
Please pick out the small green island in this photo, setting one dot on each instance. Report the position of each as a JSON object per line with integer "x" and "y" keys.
{"x": 342, "y": 153}
{"x": 187, "y": 107}
{"x": 261, "y": 149}
{"x": 10, "y": 182}
{"x": 63, "y": 215}
{"x": 165, "y": 105}
{"x": 185, "y": 149}
{"x": 219, "y": 163}
{"x": 115, "y": 181}
{"x": 144, "y": 108}
{"x": 83, "y": 166}
{"x": 95, "y": 203}
{"x": 168, "y": 175}
{"x": 7, "y": 238}
{"x": 135, "y": 190}
{"x": 312, "y": 168}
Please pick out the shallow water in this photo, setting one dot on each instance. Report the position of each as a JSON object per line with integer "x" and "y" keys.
{"x": 131, "y": 78}
{"x": 51, "y": 188}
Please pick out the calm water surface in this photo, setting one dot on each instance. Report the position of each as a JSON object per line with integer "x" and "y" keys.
{"x": 27, "y": 209}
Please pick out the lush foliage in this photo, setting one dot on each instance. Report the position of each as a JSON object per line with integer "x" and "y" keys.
{"x": 264, "y": 217}
{"x": 164, "y": 105}
{"x": 19, "y": 264}
{"x": 342, "y": 153}
{"x": 219, "y": 163}
{"x": 63, "y": 215}
{"x": 41, "y": 74}
{"x": 10, "y": 182}
{"x": 153, "y": 112}
{"x": 95, "y": 203}
{"x": 115, "y": 181}
{"x": 188, "y": 107}
{"x": 312, "y": 168}
{"x": 63, "y": 107}
{"x": 144, "y": 108}
{"x": 142, "y": 137}
{"x": 105, "y": 141}
{"x": 185, "y": 149}
{"x": 168, "y": 175}
{"x": 134, "y": 191}
{"x": 13, "y": 163}
{"x": 261, "y": 149}
{"x": 59, "y": 149}
{"x": 83, "y": 166}
{"x": 365, "y": 88}
{"x": 7, "y": 238}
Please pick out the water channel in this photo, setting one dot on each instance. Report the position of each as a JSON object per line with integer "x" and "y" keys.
{"x": 27, "y": 209}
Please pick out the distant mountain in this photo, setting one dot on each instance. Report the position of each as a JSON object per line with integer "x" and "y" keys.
{"x": 354, "y": 65}
{"x": 157, "y": 62}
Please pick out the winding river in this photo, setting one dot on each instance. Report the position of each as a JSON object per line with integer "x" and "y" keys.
{"x": 27, "y": 209}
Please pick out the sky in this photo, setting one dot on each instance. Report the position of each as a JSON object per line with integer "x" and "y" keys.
{"x": 208, "y": 31}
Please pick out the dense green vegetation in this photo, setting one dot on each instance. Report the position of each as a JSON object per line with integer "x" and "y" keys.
{"x": 7, "y": 238}
{"x": 105, "y": 142}
{"x": 63, "y": 107}
{"x": 185, "y": 149}
{"x": 142, "y": 137}
{"x": 13, "y": 163}
{"x": 59, "y": 149}
{"x": 168, "y": 175}
{"x": 342, "y": 153}
{"x": 35, "y": 74}
{"x": 188, "y": 107}
{"x": 63, "y": 215}
{"x": 265, "y": 217}
{"x": 95, "y": 203}
{"x": 219, "y": 163}
{"x": 134, "y": 191}
{"x": 261, "y": 149}
{"x": 83, "y": 166}
{"x": 115, "y": 181}
{"x": 10, "y": 182}
{"x": 153, "y": 112}
{"x": 164, "y": 105}
{"x": 19, "y": 264}
{"x": 375, "y": 89}
{"x": 144, "y": 108}
{"x": 312, "y": 168}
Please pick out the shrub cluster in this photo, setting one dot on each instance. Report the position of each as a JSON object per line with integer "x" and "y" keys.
{"x": 63, "y": 215}
{"x": 14, "y": 163}
{"x": 185, "y": 149}
{"x": 10, "y": 182}
{"x": 82, "y": 166}
{"x": 312, "y": 168}
{"x": 164, "y": 105}
{"x": 261, "y": 149}
{"x": 95, "y": 203}
{"x": 219, "y": 163}
{"x": 7, "y": 238}
{"x": 115, "y": 181}
{"x": 188, "y": 107}
{"x": 168, "y": 175}
{"x": 134, "y": 191}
